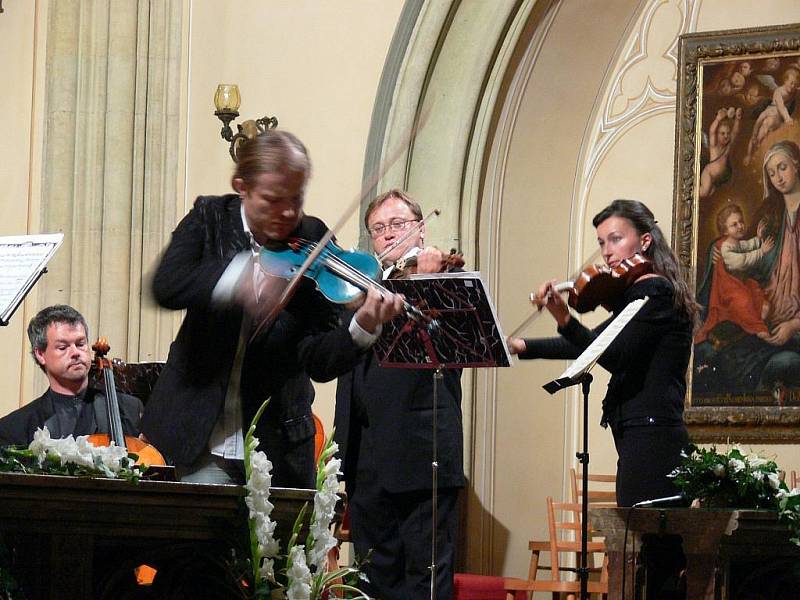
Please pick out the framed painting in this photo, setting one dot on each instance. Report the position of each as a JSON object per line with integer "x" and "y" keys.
{"x": 735, "y": 230}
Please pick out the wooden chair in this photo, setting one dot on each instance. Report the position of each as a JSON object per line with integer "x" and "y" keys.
{"x": 602, "y": 492}
{"x": 792, "y": 483}
{"x": 559, "y": 544}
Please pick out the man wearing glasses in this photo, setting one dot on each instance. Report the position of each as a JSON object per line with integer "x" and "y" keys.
{"x": 384, "y": 431}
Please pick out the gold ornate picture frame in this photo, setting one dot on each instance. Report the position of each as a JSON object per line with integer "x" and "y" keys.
{"x": 737, "y": 149}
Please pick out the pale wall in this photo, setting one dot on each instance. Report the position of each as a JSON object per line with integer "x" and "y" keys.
{"x": 18, "y": 157}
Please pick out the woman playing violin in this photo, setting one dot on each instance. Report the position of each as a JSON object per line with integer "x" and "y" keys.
{"x": 647, "y": 361}
{"x": 218, "y": 373}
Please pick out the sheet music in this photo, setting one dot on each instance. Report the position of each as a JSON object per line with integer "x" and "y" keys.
{"x": 474, "y": 275}
{"x": 589, "y": 357}
{"x": 22, "y": 260}
{"x": 468, "y": 332}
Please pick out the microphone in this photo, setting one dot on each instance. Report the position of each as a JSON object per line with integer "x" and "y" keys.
{"x": 665, "y": 501}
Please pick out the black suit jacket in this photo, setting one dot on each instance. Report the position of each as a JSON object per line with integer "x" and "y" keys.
{"x": 307, "y": 339}
{"x": 18, "y": 427}
{"x": 398, "y": 406}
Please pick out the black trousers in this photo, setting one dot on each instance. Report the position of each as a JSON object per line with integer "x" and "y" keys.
{"x": 394, "y": 531}
{"x": 647, "y": 454}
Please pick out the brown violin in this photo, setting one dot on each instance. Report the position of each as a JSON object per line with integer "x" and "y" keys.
{"x": 600, "y": 285}
{"x": 147, "y": 454}
{"x": 408, "y": 266}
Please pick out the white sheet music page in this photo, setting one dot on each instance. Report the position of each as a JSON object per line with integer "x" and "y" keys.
{"x": 22, "y": 259}
{"x": 586, "y": 360}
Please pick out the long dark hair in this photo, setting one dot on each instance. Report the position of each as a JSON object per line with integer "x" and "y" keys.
{"x": 658, "y": 252}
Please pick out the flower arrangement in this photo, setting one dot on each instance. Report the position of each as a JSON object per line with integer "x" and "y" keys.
{"x": 69, "y": 456}
{"x": 737, "y": 480}
{"x": 299, "y": 573}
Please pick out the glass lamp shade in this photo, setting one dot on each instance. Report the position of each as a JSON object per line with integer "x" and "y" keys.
{"x": 227, "y": 99}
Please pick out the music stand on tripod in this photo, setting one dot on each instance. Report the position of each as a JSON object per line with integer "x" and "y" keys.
{"x": 463, "y": 332}
{"x": 578, "y": 373}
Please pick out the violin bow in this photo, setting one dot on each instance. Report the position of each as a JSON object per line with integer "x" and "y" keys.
{"x": 561, "y": 287}
{"x": 291, "y": 287}
{"x": 434, "y": 213}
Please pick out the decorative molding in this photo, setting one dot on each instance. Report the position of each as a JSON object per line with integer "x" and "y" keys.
{"x": 112, "y": 107}
{"x": 720, "y": 425}
{"x": 384, "y": 99}
{"x": 650, "y": 100}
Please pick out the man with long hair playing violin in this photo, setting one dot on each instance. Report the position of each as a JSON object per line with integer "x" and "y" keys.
{"x": 384, "y": 431}
{"x": 224, "y": 362}
{"x": 60, "y": 347}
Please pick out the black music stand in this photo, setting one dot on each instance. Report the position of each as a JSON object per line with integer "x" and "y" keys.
{"x": 463, "y": 332}
{"x": 578, "y": 373}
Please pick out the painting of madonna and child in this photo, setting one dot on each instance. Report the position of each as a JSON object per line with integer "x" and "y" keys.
{"x": 747, "y": 348}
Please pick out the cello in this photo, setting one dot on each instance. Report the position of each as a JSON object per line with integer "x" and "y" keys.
{"x": 146, "y": 454}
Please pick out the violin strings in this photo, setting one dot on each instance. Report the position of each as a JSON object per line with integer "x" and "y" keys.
{"x": 340, "y": 267}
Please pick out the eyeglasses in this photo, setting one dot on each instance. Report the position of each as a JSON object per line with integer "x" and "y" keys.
{"x": 394, "y": 225}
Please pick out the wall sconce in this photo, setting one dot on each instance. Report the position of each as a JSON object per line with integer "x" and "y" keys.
{"x": 227, "y": 101}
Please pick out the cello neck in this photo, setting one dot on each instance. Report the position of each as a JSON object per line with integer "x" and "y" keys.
{"x": 115, "y": 431}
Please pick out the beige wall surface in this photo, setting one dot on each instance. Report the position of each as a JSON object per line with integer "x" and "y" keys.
{"x": 18, "y": 49}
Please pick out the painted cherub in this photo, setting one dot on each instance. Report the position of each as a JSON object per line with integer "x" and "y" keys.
{"x": 721, "y": 135}
{"x": 778, "y": 111}
{"x": 733, "y": 296}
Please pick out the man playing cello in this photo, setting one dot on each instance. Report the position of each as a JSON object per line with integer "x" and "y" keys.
{"x": 60, "y": 346}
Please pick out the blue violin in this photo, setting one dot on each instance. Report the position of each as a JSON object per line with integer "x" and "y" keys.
{"x": 340, "y": 275}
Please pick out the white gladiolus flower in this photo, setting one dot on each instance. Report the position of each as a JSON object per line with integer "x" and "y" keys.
{"x": 774, "y": 480}
{"x": 274, "y": 578}
{"x": 324, "y": 508}
{"x": 299, "y": 576}
{"x": 718, "y": 470}
{"x": 260, "y": 508}
{"x": 109, "y": 460}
